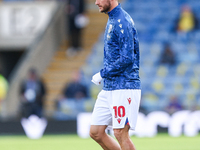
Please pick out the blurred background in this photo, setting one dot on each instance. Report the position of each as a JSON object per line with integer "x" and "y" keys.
{"x": 49, "y": 51}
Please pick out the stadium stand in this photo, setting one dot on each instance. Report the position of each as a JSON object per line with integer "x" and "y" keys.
{"x": 58, "y": 73}
{"x": 47, "y": 53}
{"x": 154, "y": 21}
{"x": 38, "y": 44}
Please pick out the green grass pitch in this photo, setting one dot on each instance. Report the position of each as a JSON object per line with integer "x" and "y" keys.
{"x": 73, "y": 142}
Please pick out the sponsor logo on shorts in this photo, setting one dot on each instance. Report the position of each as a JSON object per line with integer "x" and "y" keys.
{"x": 119, "y": 120}
{"x": 129, "y": 100}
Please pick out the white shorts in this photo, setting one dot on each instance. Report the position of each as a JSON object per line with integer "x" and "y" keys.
{"x": 114, "y": 108}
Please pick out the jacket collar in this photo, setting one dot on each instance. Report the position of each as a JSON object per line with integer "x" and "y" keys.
{"x": 113, "y": 12}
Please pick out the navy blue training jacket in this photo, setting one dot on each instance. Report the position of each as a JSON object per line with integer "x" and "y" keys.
{"x": 121, "y": 52}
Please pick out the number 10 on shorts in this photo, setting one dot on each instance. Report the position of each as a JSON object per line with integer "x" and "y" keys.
{"x": 119, "y": 111}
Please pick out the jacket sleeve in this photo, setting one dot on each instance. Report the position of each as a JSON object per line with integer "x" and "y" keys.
{"x": 124, "y": 41}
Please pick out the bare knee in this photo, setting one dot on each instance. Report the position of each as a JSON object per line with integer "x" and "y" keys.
{"x": 121, "y": 133}
{"x": 118, "y": 133}
{"x": 96, "y": 133}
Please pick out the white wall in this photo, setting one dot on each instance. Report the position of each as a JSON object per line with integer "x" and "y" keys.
{"x": 21, "y": 22}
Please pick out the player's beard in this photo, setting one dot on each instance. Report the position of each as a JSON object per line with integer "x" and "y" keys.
{"x": 106, "y": 7}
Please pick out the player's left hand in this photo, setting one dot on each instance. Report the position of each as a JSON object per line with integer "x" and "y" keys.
{"x": 96, "y": 79}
